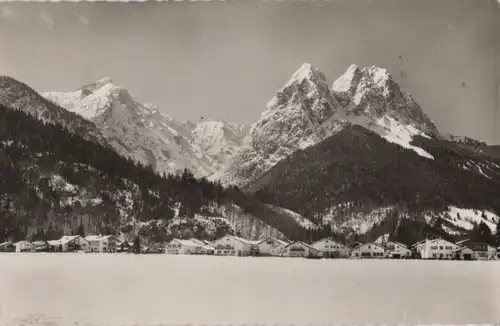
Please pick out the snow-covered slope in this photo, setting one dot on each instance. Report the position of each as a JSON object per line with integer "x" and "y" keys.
{"x": 140, "y": 131}
{"x": 306, "y": 111}
{"x": 371, "y": 98}
{"x": 17, "y": 95}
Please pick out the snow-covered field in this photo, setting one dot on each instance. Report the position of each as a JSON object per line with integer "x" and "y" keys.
{"x": 79, "y": 289}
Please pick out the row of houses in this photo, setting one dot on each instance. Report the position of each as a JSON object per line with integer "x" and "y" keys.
{"x": 230, "y": 245}
{"x": 329, "y": 248}
{"x": 69, "y": 243}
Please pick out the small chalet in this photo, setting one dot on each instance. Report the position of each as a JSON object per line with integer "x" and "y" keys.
{"x": 481, "y": 250}
{"x": 271, "y": 247}
{"x": 7, "y": 247}
{"x": 463, "y": 253}
{"x": 41, "y": 246}
{"x": 70, "y": 243}
{"x": 187, "y": 247}
{"x": 331, "y": 248}
{"x": 100, "y": 243}
{"x": 124, "y": 246}
{"x": 438, "y": 249}
{"x": 368, "y": 250}
{"x": 395, "y": 249}
{"x": 301, "y": 249}
{"x": 230, "y": 245}
{"x": 24, "y": 246}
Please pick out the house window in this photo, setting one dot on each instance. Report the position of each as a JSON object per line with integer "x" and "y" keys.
{"x": 441, "y": 247}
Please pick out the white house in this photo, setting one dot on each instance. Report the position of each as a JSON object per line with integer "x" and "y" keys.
{"x": 395, "y": 249}
{"x": 100, "y": 243}
{"x": 24, "y": 246}
{"x": 69, "y": 243}
{"x": 187, "y": 247}
{"x": 463, "y": 253}
{"x": 331, "y": 248}
{"x": 230, "y": 245}
{"x": 438, "y": 249}
{"x": 271, "y": 247}
{"x": 481, "y": 250}
{"x": 368, "y": 250}
{"x": 41, "y": 245}
{"x": 301, "y": 249}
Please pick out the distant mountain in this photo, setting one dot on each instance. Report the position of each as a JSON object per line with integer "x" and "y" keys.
{"x": 142, "y": 132}
{"x": 306, "y": 111}
{"x": 298, "y": 116}
{"x": 17, "y": 95}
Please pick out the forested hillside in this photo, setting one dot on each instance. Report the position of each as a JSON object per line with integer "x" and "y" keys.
{"x": 53, "y": 181}
{"x": 358, "y": 175}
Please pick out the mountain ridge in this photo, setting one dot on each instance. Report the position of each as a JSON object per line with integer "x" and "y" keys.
{"x": 144, "y": 133}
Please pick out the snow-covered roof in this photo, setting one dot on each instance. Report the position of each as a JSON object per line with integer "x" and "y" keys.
{"x": 68, "y": 238}
{"x": 93, "y": 237}
{"x": 302, "y": 244}
{"x": 252, "y": 242}
{"x": 22, "y": 241}
{"x": 369, "y": 243}
{"x": 329, "y": 239}
{"x": 282, "y": 242}
{"x": 398, "y": 243}
{"x": 5, "y": 243}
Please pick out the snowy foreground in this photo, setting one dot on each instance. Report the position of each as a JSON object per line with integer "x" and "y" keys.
{"x": 73, "y": 289}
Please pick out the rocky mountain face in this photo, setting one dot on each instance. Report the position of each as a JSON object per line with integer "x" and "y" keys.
{"x": 17, "y": 95}
{"x": 306, "y": 111}
{"x": 359, "y": 156}
{"x": 143, "y": 133}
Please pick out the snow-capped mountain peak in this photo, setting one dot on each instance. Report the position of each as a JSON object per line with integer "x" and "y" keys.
{"x": 144, "y": 133}
{"x": 371, "y": 93}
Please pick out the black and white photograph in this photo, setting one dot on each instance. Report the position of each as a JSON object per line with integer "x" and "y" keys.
{"x": 250, "y": 162}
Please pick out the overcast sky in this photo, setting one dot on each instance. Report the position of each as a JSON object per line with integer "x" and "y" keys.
{"x": 227, "y": 59}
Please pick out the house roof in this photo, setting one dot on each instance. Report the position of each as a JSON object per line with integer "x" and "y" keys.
{"x": 19, "y": 242}
{"x": 369, "y": 243}
{"x": 302, "y": 244}
{"x": 93, "y": 237}
{"x": 6, "y": 243}
{"x": 328, "y": 238}
{"x": 399, "y": 244}
{"x": 478, "y": 245}
{"x": 461, "y": 248}
{"x": 40, "y": 243}
{"x": 68, "y": 238}
{"x": 282, "y": 242}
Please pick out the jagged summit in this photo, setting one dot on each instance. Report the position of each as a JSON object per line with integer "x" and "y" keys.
{"x": 371, "y": 92}
{"x": 100, "y": 83}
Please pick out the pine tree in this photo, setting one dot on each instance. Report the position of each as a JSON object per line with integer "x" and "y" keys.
{"x": 137, "y": 245}
{"x": 497, "y": 234}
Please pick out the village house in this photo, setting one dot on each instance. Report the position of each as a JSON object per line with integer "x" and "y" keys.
{"x": 368, "y": 250}
{"x": 438, "y": 249}
{"x": 41, "y": 246}
{"x": 395, "y": 249}
{"x": 124, "y": 246}
{"x": 100, "y": 243}
{"x": 480, "y": 250}
{"x": 70, "y": 243}
{"x": 331, "y": 248}
{"x": 7, "y": 246}
{"x": 230, "y": 245}
{"x": 187, "y": 247}
{"x": 463, "y": 253}
{"x": 24, "y": 246}
{"x": 301, "y": 249}
{"x": 271, "y": 247}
